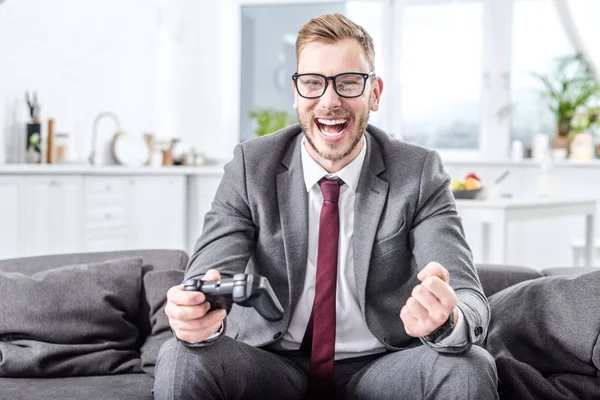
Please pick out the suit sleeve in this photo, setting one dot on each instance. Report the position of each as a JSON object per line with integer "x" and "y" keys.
{"x": 229, "y": 235}
{"x": 438, "y": 235}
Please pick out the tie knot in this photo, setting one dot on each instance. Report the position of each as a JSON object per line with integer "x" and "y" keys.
{"x": 331, "y": 189}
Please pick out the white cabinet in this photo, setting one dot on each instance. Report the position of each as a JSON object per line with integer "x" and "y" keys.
{"x": 52, "y": 214}
{"x": 11, "y": 217}
{"x": 107, "y": 221}
{"x": 139, "y": 212}
{"x": 201, "y": 193}
{"x": 158, "y": 212}
{"x": 52, "y": 209}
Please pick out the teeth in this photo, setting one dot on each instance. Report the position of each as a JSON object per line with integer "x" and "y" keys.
{"x": 331, "y": 121}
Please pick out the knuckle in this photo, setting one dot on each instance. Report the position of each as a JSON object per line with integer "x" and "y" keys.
{"x": 176, "y": 326}
{"x": 171, "y": 294}
{"x": 177, "y": 313}
{"x": 427, "y": 283}
{"x": 417, "y": 290}
{"x": 440, "y": 317}
{"x": 434, "y": 265}
{"x": 175, "y": 290}
{"x": 452, "y": 303}
{"x": 182, "y": 336}
{"x": 167, "y": 308}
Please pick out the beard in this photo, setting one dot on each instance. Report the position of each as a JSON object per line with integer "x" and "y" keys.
{"x": 334, "y": 152}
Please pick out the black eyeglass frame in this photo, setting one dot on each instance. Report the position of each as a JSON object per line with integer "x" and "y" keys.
{"x": 332, "y": 78}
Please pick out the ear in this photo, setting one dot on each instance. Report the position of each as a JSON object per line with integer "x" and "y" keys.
{"x": 295, "y": 94}
{"x": 376, "y": 93}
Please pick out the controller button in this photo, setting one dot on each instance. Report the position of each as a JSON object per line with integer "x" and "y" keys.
{"x": 238, "y": 292}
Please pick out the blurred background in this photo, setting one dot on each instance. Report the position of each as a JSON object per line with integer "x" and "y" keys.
{"x": 133, "y": 88}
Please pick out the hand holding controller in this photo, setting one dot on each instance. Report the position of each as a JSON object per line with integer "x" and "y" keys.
{"x": 244, "y": 290}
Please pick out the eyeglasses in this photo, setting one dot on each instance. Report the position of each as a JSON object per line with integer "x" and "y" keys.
{"x": 348, "y": 85}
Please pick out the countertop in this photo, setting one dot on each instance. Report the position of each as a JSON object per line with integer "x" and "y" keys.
{"x": 526, "y": 163}
{"x": 83, "y": 169}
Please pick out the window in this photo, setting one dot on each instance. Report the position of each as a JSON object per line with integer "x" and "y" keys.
{"x": 441, "y": 73}
{"x": 535, "y": 46}
{"x": 457, "y": 73}
{"x": 269, "y": 56}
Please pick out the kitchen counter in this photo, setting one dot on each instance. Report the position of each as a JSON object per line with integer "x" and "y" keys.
{"x": 84, "y": 169}
{"x": 526, "y": 163}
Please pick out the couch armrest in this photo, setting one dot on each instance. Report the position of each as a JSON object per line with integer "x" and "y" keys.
{"x": 568, "y": 270}
{"x": 495, "y": 277}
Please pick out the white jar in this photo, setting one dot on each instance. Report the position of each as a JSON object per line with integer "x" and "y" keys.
{"x": 516, "y": 151}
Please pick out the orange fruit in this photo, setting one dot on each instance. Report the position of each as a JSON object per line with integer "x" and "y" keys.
{"x": 472, "y": 183}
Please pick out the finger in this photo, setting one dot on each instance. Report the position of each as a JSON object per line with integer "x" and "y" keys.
{"x": 186, "y": 313}
{"x": 440, "y": 289}
{"x": 198, "y": 335}
{"x": 434, "y": 269}
{"x": 212, "y": 275}
{"x": 410, "y": 323}
{"x": 416, "y": 310}
{"x": 430, "y": 302}
{"x": 178, "y": 296}
{"x": 210, "y": 319}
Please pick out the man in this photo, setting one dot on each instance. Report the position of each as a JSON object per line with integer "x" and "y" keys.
{"x": 395, "y": 300}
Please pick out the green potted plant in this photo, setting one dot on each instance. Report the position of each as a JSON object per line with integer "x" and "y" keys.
{"x": 586, "y": 119}
{"x": 269, "y": 120}
{"x": 571, "y": 85}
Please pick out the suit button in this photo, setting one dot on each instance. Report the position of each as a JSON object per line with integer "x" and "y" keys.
{"x": 478, "y": 331}
{"x": 277, "y": 335}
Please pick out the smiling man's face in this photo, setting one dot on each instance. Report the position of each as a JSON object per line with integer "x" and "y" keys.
{"x": 334, "y": 125}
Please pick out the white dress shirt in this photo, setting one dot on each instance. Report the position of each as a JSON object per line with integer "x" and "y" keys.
{"x": 353, "y": 337}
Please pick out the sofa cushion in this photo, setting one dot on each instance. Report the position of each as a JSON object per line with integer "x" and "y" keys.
{"x": 157, "y": 259}
{"x": 156, "y": 285}
{"x": 495, "y": 277}
{"x": 71, "y": 320}
{"x": 546, "y": 328}
{"x": 111, "y": 387}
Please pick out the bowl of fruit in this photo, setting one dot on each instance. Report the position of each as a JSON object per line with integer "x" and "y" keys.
{"x": 468, "y": 188}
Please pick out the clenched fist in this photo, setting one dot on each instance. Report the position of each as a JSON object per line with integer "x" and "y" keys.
{"x": 188, "y": 312}
{"x": 430, "y": 303}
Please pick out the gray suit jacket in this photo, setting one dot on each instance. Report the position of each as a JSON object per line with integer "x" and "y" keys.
{"x": 405, "y": 217}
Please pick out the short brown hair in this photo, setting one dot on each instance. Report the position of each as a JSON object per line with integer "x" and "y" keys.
{"x": 332, "y": 28}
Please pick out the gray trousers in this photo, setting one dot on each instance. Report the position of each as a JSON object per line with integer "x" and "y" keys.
{"x": 228, "y": 369}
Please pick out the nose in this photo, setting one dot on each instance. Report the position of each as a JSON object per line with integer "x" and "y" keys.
{"x": 330, "y": 99}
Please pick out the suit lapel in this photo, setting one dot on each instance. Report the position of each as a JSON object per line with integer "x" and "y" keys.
{"x": 371, "y": 195}
{"x": 293, "y": 211}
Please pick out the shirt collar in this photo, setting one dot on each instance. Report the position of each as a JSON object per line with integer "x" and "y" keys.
{"x": 350, "y": 174}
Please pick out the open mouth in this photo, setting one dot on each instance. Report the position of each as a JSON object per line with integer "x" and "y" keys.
{"x": 331, "y": 127}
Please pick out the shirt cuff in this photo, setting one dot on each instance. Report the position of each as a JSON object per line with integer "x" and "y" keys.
{"x": 459, "y": 334}
{"x": 216, "y": 333}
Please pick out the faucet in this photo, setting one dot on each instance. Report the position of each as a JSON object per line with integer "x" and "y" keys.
{"x": 95, "y": 131}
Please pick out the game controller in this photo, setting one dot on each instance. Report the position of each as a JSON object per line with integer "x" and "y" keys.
{"x": 243, "y": 289}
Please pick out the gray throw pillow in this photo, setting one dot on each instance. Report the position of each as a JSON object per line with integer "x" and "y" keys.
{"x": 544, "y": 329}
{"x": 156, "y": 285}
{"x": 72, "y": 320}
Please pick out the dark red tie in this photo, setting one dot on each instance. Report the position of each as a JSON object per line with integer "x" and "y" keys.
{"x": 320, "y": 332}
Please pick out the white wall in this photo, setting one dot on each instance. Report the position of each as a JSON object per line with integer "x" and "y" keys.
{"x": 201, "y": 36}
{"x": 82, "y": 57}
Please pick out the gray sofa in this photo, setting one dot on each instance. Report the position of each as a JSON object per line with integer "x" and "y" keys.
{"x": 117, "y": 368}
{"x": 51, "y": 372}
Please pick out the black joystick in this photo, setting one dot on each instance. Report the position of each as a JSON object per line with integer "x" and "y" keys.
{"x": 244, "y": 290}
